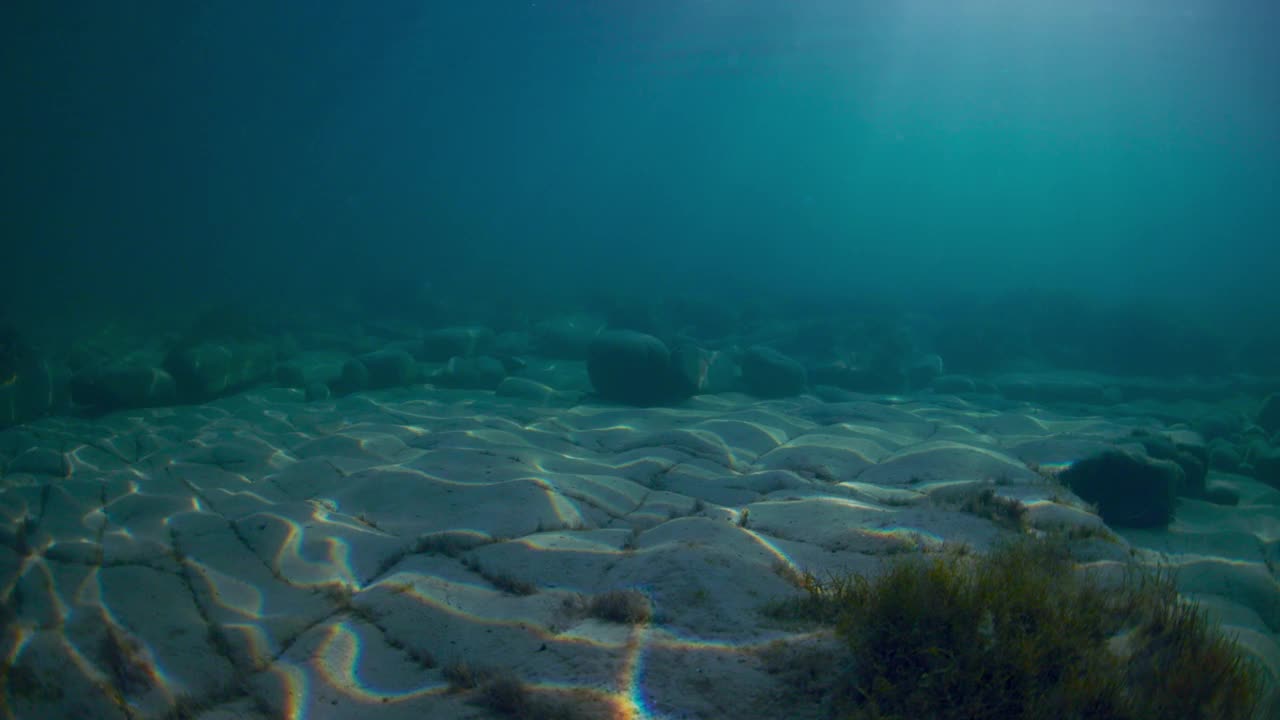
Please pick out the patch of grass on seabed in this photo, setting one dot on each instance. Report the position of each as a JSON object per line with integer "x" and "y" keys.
{"x": 1021, "y": 634}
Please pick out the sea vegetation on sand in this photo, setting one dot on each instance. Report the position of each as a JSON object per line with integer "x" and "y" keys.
{"x": 1022, "y": 633}
{"x": 508, "y": 696}
{"x": 624, "y": 607}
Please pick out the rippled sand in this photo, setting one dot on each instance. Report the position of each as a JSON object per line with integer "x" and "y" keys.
{"x": 260, "y": 557}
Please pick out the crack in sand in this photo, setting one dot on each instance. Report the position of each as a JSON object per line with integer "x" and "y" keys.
{"x": 216, "y": 640}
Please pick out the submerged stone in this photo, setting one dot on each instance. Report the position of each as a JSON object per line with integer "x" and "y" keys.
{"x": 1130, "y": 490}
{"x": 208, "y": 370}
{"x": 119, "y": 387}
{"x": 768, "y": 373}
{"x": 633, "y": 368}
{"x": 444, "y": 343}
{"x": 388, "y": 368}
{"x": 1269, "y": 415}
{"x": 471, "y": 373}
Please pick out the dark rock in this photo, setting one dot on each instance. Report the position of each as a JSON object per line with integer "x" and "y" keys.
{"x": 512, "y": 343}
{"x": 831, "y": 394}
{"x": 210, "y": 369}
{"x": 30, "y": 386}
{"x": 29, "y": 389}
{"x": 1266, "y": 466}
{"x": 837, "y": 375}
{"x": 473, "y": 373}
{"x": 290, "y": 375}
{"x": 388, "y": 368}
{"x": 568, "y": 337}
{"x": 318, "y": 391}
{"x": 633, "y": 368}
{"x": 563, "y": 375}
{"x": 12, "y": 350}
{"x": 119, "y": 387}
{"x": 1269, "y": 416}
{"x": 412, "y": 347}
{"x": 862, "y": 375}
{"x": 1130, "y": 490}
{"x": 354, "y": 378}
{"x": 1185, "y": 448}
{"x": 440, "y": 345}
{"x": 954, "y": 385}
{"x": 1194, "y": 472}
{"x": 525, "y": 389}
{"x": 689, "y": 365}
{"x": 1220, "y": 425}
{"x": 770, "y": 374}
{"x": 985, "y": 387}
{"x": 82, "y": 358}
{"x": 1224, "y": 456}
{"x": 923, "y": 370}
{"x": 1222, "y": 495}
{"x": 721, "y": 373}
{"x": 512, "y": 364}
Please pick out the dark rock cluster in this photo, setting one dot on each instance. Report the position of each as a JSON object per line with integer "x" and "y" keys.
{"x": 1032, "y": 348}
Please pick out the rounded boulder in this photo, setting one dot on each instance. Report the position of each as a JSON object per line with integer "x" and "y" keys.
{"x": 633, "y": 368}
{"x": 1132, "y": 491}
{"x": 768, "y": 373}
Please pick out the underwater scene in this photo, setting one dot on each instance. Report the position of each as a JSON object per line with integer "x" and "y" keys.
{"x": 621, "y": 360}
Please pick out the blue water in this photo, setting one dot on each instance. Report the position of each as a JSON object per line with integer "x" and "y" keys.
{"x": 158, "y": 150}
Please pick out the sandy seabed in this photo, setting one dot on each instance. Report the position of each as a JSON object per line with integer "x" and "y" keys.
{"x": 262, "y": 557}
